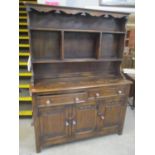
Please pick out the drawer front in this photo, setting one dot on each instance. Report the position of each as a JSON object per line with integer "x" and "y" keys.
{"x": 61, "y": 99}
{"x": 112, "y": 100}
{"x": 106, "y": 91}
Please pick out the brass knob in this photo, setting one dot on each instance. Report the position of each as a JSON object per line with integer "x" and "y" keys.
{"x": 74, "y": 122}
{"x": 97, "y": 94}
{"x": 76, "y": 99}
{"x": 67, "y": 123}
{"x": 102, "y": 117}
{"x": 119, "y": 92}
{"x": 48, "y": 102}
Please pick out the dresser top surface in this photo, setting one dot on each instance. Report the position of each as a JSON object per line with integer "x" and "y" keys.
{"x": 75, "y": 83}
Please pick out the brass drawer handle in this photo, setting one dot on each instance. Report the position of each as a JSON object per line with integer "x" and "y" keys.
{"x": 120, "y": 92}
{"x": 97, "y": 94}
{"x": 48, "y": 102}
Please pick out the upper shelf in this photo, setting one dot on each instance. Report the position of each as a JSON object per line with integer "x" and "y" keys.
{"x": 75, "y": 30}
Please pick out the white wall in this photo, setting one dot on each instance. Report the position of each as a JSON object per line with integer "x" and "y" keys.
{"x": 92, "y": 4}
{"x": 77, "y": 3}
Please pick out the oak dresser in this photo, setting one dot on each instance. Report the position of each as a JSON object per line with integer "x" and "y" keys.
{"x": 78, "y": 89}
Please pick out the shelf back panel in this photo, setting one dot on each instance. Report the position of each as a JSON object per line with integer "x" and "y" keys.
{"x": 112, "y": 45}
{"x": 71, "y": 69}
{"x": 80, "y": 45}
{"x": 45, "y": 44}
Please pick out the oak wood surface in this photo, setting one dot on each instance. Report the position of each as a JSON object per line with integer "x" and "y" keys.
{"x": 78, "y": 90}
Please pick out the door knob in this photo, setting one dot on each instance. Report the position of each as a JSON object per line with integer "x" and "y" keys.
{"x": 76, "y": 99}
{"x": 67, "y": 123}
{"x": 74, "y": 122}
{"x": 101, "y": 115}
{"x": 97, "y": 94}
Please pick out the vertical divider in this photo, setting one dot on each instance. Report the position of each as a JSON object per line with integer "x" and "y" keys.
{"x": 98, "y": 46}
{"x": 62, "y": 45}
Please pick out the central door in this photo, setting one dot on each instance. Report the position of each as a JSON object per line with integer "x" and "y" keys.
{"x": 84, "y": 119}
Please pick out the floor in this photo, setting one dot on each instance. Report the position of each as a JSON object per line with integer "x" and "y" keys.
{"x": 107, "y": 145}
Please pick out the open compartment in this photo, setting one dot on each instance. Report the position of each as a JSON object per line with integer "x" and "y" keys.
{"x": 81, "y": 45}
{"x": 112, "y": 45}
{"x": 45, "y": 44}
{"x": 75, "y": 69}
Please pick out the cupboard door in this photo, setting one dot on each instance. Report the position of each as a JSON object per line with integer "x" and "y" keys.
{"x": 108, "y": 115}
{"x": 112, "y": 115}
{"x": 53, "y": 122}
{"x": 84, "y": 121}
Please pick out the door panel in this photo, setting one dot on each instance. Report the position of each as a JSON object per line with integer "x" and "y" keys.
{"x": 53, "y": 122}
{"x": 112, "y": 115}
{"x": 108, "y": 114}
{"x": 85, "y": 117}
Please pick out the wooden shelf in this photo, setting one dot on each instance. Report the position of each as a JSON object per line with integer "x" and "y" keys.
{"x": 75, "y": 60}
{"x": 76, "y": 30}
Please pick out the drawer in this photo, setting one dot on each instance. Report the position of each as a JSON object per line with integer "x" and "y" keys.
{"x": 62, "y": 99}
{"x": 88, "y": 104}
{"x": 106, "y": 91}
{"x": 111, "y": 100}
